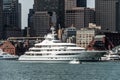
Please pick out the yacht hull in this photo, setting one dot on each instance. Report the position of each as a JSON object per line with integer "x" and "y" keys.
{"x": 9, "y": 58}
{"x": 83, "y": 56}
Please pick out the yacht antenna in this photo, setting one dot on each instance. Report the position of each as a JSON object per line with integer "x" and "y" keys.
{"x": 53, "y": 30}
{"x": 59, "y": 26}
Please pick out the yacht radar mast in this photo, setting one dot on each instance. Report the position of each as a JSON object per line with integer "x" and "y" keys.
{"x": 53, "y": 32}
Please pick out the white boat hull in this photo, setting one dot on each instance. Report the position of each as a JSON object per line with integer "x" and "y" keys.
{"x": 83, "y": 56}
{"x": 4, "y": 57}
{"x": 53, "y": 50}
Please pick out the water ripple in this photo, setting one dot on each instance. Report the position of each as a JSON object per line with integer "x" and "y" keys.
{"x": 15, "y": 70}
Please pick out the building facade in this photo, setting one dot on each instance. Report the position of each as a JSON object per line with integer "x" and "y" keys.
{"x": 12, "y": 18}
{"x": 81, "y": 3}
{"x": 106, "y": 17}
{"x": 51, "y": 6}
{"x": 80, "y": 17}
{"x": 19, "y": 15}
{"x": 41, "y": 23}
{"x": 11, "y": 12}
{"x": 69, "y": 35}
{"x": 84, "y": 37}
{"x": 69, "y": 4}
{"x": 59, "y": 7}
{"x": 1, "y": 18}
{"x": 76, "y": 17}
{"x": 8, "y": 47}
{"x": 118, "y": 16}
{"x": 30, "y": 22}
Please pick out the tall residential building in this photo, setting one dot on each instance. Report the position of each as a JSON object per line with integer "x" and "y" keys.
{"x": 81, "y": 3}
{"x": 1, "y": 18}
{"x": 106, "y": 17}
{"x": 51, "y": 6}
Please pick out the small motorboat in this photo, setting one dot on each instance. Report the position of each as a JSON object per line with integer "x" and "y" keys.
{"x": 7, "y": 56}
{"x": 75, "y": 62}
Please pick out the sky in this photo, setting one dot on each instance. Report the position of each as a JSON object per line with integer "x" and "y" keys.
{"x": 27, "y": 4}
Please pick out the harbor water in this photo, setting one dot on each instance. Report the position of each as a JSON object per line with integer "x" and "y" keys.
{"x": 15, "y": 70}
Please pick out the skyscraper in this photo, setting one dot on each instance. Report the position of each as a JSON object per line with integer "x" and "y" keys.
{"x": 19, "y": 15}
{"x": 81, "y": 3}
{"x": 41, "y": 23}
{"x": 69, "y": 4}
{"x": 75, "y": 3}
{"x": 1, "y": 18}
{"x": 106, "y": 17}
{"x": 51, "y": 6}
{"x": 118, "y": 16}
{"x": 80, "y": 17}
{"x": 11, "y": 12}
{"x": 30, "y": 22}
{"x": 11, "y": 18}
{"x": 77, "y": 14}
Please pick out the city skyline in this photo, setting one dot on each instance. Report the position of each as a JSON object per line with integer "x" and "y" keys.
{"x": 26, "y": 7}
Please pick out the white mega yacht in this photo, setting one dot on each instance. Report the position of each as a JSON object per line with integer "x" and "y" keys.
{"x": 52, "y": 50}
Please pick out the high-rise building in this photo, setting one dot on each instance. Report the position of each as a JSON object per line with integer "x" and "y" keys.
{"x": 11, "y": 11}
{"x": 80, "y": 17}
{"x": 118, "y": 16}
{"x": 106, "y": 17}
{"x": 11, "y": 18}
{"x": 30, "y": 22}
{"x": 1, "y": 18}
{"x": 19, "y": 15}
{"x": 41, "y": 23}
{"x": 77, "y": 14}
{"x": 69, "y": 4}
{"x": 75, "y": 3}
{"x": 81, "y": 3}
{"x": 51, "y": 6}
{"x": 30, "y": 15}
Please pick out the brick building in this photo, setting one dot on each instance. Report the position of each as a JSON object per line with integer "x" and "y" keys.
{"x": 8, "y": 47}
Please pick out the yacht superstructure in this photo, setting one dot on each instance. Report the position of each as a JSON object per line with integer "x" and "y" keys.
{"x": 52, "y": 50}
